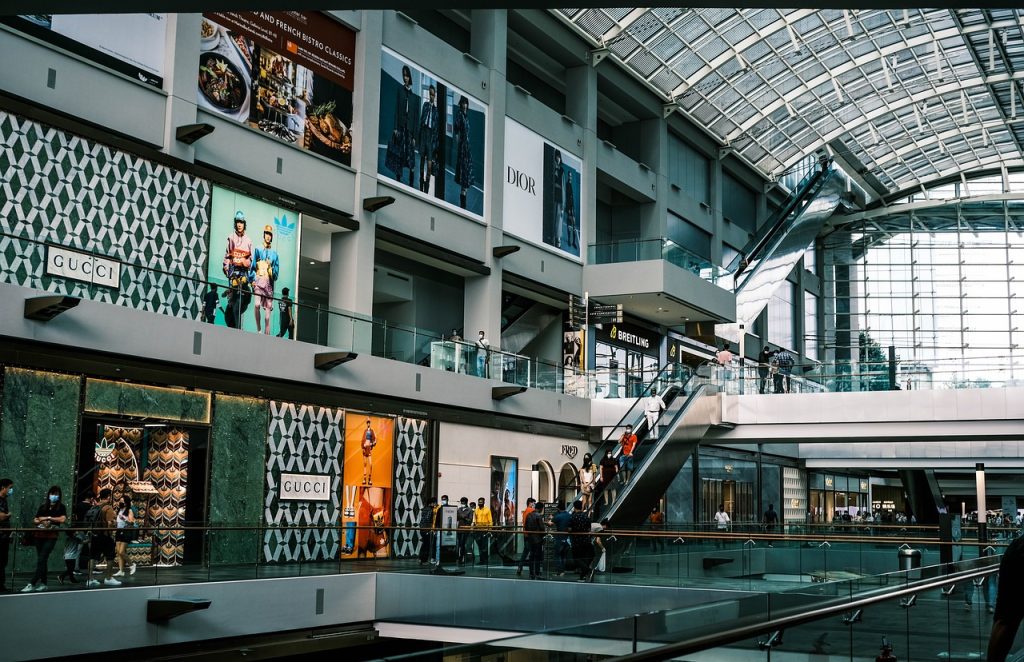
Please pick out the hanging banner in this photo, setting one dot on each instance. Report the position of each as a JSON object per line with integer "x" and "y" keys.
{"x": 132, "y": 44}
{"x": 368, "y": 471}
{"x": 542, "y": 191}
{"x": 288, "y": 74}
{"x": 431, "y": 136}
{"x": 254, "y": 258}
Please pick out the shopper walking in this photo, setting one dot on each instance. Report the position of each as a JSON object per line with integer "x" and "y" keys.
{"x": 531, "y": 505}
{"x": 74, "y": 541}
{"x": 6, "y": 487}
{"x": 722, "y": 522}
{"x": 582, "y": 547}
{"x": 427, "y": 530}
{"x": 125, "y": 534}
{"x": 764, "y": 360}
{"x": 49, "y": 517}
{"x": 786, "y": 363}
{"x": 561, "y": 523}
{"x": 534, "y": 528}
{"x": 483, "y": 521}
{"x": 653, "y": 406}
{"x": 464, "y": 517}
{"x": 101, "y": 520}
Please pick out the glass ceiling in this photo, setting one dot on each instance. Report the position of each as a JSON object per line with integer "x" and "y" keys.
{"x": 905, "y": 96}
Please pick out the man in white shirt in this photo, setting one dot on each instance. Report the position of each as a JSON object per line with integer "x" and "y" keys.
{"x": 653, "y": 406}
{"x": 722, "y": 522}
{"x": 482, "y": 350}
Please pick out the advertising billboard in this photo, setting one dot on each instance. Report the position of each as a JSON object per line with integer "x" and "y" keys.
{"x": 504, "y": 489}
{"x": 132, "y": 44}
{"x": 254, "y": 259}
{"x": 368, "y": 486}
{"x": 542, "y": 191}
{"x": 431, "y": 138}
{"x": 288, "y": 74}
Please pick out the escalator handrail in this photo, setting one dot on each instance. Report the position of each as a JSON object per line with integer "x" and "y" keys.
{"x": 755, "y": 246}
{"x": 698, "y": 387}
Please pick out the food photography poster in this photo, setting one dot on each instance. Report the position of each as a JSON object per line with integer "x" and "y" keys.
{"x": 287, "y": 74}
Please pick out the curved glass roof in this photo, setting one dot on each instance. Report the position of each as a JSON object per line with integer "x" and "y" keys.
{"x": 904, "y": 97}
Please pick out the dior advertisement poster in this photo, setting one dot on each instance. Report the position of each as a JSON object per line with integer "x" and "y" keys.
{"x": 504, "y": 489}
{"x": 431, "y": 137}
{"x": 288, "y": 74}
{"x": 542, "y": 191}
{"x": 367, "y": 472}
{"x": 253, "y": 265}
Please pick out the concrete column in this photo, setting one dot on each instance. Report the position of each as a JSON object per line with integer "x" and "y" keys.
{"x": 483, "y": 293}
{"x": 352, "y": 253}
{"x": 581, "y": 107}
{"x": 654, "y": 153}
{"x": 181, "y": 65}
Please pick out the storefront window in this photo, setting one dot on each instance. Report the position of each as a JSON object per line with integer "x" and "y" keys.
{"x": 625, "y": 359}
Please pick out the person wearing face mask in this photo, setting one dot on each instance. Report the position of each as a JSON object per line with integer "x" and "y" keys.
{"x": 482, "y": 522}
{"x": 6, "y": 488}
{"x": 49, "y": 517}
{"x": 609, "y": 467}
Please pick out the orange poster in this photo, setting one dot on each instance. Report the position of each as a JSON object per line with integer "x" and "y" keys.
{"x": 368, "y": 474}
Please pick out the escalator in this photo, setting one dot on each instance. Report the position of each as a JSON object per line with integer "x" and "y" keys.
{"x": 768, "y": 259}
{"x": 690, "y": 409}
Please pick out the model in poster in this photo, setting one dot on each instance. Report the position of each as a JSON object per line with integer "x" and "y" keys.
{"x": 427, "y": 140}
{"x": 401, "y": 152}
{"x": 463, "y": 157}
{"x": 237, "y": 266}
{"x": 264, "y": 275}
{"x": 563, "y": 199}
{"x": 369, "y": 442}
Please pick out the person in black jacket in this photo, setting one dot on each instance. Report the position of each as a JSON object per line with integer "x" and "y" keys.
{"x": 534, "y": 527}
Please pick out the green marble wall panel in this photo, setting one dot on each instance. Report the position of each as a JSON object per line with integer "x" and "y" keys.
{"x": 175, "y": 404}
{"x": 38, "y": 445}
{"x": 238, "y": 442}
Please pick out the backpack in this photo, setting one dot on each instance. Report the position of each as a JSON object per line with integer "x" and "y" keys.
{"x": 93, "y": 520}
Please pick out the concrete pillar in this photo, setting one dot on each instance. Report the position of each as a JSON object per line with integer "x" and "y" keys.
{"x": 352, "y": 253}
{"x": 483, "y": 293}
{"x": 654, "y": 153}
{"x": 181, "y": 66}
{"x": 581, "y": 107}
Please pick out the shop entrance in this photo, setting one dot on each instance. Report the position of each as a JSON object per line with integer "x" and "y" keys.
{"x": 163, "y": 468}
{"x": 736, "y": 496}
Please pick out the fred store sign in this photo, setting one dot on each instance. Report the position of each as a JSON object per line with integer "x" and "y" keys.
{"x": 305, "y": 487}
{"x": 81, "y": 266}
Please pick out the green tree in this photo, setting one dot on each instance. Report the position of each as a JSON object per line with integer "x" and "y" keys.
{"x": 874, "y": 364}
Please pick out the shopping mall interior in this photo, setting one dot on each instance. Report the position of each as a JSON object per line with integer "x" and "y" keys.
{"x": 273, "y": 301}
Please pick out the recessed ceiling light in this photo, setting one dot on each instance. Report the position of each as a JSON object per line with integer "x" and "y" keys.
{"x": 312, "y": 262}
{"x": 316, "y": 288}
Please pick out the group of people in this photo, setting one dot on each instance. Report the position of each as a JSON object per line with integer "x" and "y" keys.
{"x": 95, "y": 532}
{"x": 775, "y": 371}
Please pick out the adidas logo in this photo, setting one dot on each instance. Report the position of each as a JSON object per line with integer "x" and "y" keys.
{"x": 285, "y": 228}
{"x": 104, "y": 451}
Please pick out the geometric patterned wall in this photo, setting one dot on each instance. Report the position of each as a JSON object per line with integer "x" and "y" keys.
{"x": 410, "y": 483}
{"x": 61, "y": 188}
{"x": 303, "y": 439}
{"x": 168, "y": 471}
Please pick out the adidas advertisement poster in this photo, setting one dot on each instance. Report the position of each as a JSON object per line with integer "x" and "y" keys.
{"x": 367, "y": 472}
{"x": 288, "y": 74}
{"x": 131, "y": 44}
{"x": 542, "y": 191}
{"x": 431, "y": 136}
{"x": 254, "y": 257}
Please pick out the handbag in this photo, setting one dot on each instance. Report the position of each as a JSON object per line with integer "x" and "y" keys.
{"x": 393, "y": 154}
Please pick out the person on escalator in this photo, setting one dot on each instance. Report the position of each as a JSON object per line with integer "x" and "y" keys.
{"x": 628, "y": 442}
{"x": 587, "y": 477}
{"x": 653, "y": 406}
{"x": 609, "y": 467}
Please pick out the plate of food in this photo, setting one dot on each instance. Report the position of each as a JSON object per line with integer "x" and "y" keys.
{"x": 221, "y": 83}
{"x": 209, "y": 33}
{"x": 328, "y": 129}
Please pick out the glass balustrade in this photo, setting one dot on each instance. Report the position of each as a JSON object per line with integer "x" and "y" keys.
{"x": 638, "y": 250}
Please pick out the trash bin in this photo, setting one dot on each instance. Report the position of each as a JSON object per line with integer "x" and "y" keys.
{"x": 909, "y": 559}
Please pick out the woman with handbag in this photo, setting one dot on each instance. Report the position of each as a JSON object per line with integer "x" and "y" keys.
{"x": 49, "y": 517}
{"x": 587, "y": 476}
{"x": 125, "y": 534}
